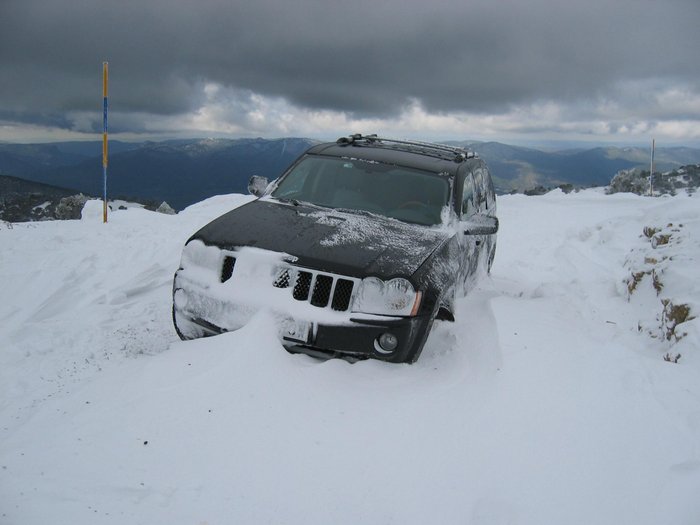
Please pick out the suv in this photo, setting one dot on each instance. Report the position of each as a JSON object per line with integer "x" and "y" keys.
{"x": 356, "y": 249}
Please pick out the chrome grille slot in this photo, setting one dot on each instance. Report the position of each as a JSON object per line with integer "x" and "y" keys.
{"x": 319, "y": 289}
{"x": 342, "y": 295}
{"x": 227, "y": 268}
{"x": 302, "y": 286}
{"x": 322, "y": 290}
{"x": 283, "y": 278}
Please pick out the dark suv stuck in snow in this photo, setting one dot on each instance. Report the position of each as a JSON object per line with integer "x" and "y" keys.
{"x": 356, "y": 249}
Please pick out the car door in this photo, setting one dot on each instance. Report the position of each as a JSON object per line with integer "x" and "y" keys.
{"x": 486, "y": 206}
{"x": 469, "y": 207}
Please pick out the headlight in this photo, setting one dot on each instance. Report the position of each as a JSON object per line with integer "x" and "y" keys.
{"x": 395, "y": 297}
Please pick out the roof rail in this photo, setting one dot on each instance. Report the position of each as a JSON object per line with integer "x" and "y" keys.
{"x": 459, "y": 154}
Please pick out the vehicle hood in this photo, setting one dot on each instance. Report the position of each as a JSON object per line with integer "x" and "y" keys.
{"x": 334, "y": 241}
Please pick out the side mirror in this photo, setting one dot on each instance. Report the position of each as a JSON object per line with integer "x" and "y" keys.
{"x": 257, "y": 185}
{"x": 480, "y": 225}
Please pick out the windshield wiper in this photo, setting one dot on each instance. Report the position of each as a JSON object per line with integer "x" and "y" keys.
{"x": 296, "y": 202}
{"x": 292, "y": 201}
{"x": 358, "y": 211}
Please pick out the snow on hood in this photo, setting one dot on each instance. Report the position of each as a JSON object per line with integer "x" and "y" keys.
{"x": 330, "y": 240}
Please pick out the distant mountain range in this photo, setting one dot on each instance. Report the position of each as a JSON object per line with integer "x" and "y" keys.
{"x": 183, "y": 172}
{"x": 180, "y": 172}
{"x": 518, "y": 168}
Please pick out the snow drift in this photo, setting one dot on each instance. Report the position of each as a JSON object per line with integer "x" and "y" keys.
{"x": 548, "y": 401}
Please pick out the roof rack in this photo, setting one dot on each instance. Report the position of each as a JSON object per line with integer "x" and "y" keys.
{"x": 426, "y": 148}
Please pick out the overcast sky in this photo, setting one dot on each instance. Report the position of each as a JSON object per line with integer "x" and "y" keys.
{"x": 514, "y": 71}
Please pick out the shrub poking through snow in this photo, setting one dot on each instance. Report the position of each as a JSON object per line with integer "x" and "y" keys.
{"x": 672, "y": 316}
{"x": 672, "y": 358}
{"x": 649, "y": 232}
{"x": 660, "y": 240}
{"x": 637, "y": 277}
{"x": 672, "y": 311}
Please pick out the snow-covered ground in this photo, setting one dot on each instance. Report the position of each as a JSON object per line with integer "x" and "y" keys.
{"x": 548, "y": 402}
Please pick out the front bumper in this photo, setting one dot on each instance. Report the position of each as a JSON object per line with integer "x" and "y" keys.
{"x": 354, "y": 336}
{"x": 362, "y": 339}
{"x": 217, "y": 291}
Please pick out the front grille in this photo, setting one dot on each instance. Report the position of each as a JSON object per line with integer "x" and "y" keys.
{"x": 302, "y": 286}
{"x": 321, "y": 290}
{"x": 283, "y": 279}
{"x": 227, "y": 268}
{"x": 342, "y": 295}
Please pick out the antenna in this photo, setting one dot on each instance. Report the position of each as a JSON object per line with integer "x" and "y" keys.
{"x": 651, "y": 170}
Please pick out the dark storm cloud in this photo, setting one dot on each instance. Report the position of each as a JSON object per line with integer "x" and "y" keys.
{"x": 29, "y": 117}
{"x": 363, "y": 57}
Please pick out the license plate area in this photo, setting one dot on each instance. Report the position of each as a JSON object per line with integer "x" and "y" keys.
{"x": 296, "y": 331}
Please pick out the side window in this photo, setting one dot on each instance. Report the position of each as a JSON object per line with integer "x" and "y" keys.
{"x": 480, "y": 189}
{"x": 490, "y": 191}
{"x": 468, "y": 203}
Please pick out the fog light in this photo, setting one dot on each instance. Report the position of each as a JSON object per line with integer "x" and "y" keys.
{"x": 387, "y": 343}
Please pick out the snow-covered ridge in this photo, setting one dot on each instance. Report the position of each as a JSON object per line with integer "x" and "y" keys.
{"x": 543, "y": 403}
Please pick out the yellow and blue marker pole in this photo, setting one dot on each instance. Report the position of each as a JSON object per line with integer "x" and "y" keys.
{"x": 104, "y": 141}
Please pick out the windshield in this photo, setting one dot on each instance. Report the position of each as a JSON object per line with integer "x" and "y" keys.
{"x": 402, "y": 193}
